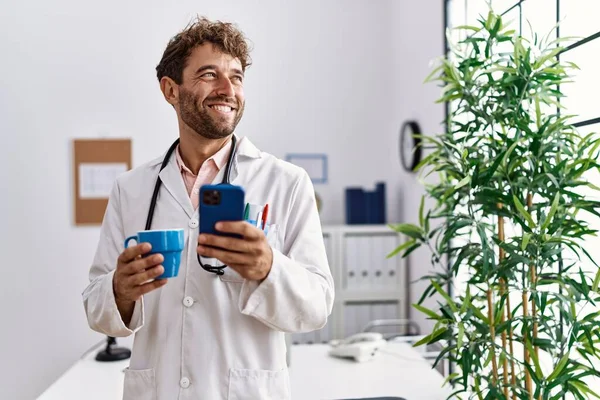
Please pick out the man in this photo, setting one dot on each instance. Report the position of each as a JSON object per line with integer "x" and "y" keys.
{"x": 200, "y": 335}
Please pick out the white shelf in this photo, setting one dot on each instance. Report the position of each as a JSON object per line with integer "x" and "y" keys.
{"x": 358, "y": 228}
{"x": 354, "y": 296}
{"x": 366, "y": 247}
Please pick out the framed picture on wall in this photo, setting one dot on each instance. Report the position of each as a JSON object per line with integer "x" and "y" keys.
{"x": 314, "y": 164}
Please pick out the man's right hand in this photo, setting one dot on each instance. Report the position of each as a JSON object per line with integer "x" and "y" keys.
{"x": 135, "y": 276}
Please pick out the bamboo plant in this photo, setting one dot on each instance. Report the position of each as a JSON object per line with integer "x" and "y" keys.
{"x": 509, "y": 219}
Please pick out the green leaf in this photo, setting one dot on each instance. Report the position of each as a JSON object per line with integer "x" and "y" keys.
{"x": 542, "y": 60}
{"x": 427, "y": 311}
{"x": 536, "y": 362}
{"x": 559, "y": 367}
{"x": 409, "y": 230}
{"x": 467, "y": 301}
{"x": 526, "y": 239}
{"x": 461, "y": 334}
{"x": 467, "y": 27}
{"x": 450, "y": 377}
{"x": 596, "y": 282}
{"x": 538, "y": 113}
{"x": 583, "y": 387}
{"x": 445, "y": 295}
{"x": 430, "y": 338}
{"x": 523, "y": 212}
{"x": 403, "y": 246}
{"x": 421, "y": 217}
{"x": 509, "y": 152}
{"x": 433, "y": 73}
{"x": 463, "y": 182}
{"x": 552, "y": 212}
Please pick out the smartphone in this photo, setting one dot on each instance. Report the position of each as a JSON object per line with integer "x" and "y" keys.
{"x": 223, "y": 202}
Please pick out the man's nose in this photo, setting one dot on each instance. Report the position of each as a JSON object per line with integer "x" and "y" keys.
{"x": 225, "y": 87}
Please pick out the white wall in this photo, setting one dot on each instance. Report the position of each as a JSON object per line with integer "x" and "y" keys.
{"x": 335, "y": 77}
{"x": 418, "y": 31}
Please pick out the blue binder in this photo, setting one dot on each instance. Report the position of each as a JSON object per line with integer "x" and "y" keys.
{"x": 364, "y": 207}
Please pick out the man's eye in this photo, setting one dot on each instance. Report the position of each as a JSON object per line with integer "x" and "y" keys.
{"x": 237, "y": 79}
{"x": 209, "y": 75}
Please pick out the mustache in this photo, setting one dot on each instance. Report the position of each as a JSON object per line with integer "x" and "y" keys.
{"x": 230, "y": 101}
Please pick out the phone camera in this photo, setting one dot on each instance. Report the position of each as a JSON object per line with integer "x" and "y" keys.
{"x": 212, "y": 197}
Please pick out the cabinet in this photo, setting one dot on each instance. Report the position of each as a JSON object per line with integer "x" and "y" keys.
{"x": 368, "y": 286}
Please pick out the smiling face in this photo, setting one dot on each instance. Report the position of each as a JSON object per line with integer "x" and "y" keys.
{"x": 210, "y": 98}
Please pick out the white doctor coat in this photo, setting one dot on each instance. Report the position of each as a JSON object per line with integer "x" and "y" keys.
{"x": 204, "y": 336}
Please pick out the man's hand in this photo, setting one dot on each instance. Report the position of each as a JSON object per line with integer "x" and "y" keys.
{"x": 135, "y": 276}
{"x": 251, "y": 256}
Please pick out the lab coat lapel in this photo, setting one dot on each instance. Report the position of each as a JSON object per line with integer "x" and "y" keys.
{"x": 173, "y": 182}
{"x": 245, "y": 149}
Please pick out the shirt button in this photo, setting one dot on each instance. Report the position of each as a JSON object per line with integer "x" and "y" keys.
{"x": 184, "y": 383}
{"x": 193, "y": 223}
{"x": 188, "y": 301}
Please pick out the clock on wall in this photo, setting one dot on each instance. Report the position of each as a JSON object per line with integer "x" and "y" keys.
{"x": 410, "y": 146}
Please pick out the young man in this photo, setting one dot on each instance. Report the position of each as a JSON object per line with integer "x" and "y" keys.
{"x": 202, "y": 335}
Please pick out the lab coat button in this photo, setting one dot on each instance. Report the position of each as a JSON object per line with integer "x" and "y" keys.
{"x": 188, "y": 301}
{"x": 193, "y": 223}
{"x": 184, "y": 382}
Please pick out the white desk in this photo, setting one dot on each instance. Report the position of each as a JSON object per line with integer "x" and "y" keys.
{"x": 398, "y": 370}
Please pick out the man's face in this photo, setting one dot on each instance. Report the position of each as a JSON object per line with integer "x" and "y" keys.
{"x": 211, "y": 96}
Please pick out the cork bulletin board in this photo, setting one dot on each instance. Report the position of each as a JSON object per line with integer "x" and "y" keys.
{"x": 97, "y": 163}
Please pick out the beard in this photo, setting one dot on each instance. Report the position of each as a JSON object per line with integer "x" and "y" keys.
{"x": 198, "y": 118}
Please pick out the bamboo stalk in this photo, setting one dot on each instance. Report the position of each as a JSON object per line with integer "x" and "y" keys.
{"x": 513, "y": 377}
{"x": 533, "y": 276}
{"x": 493, "y": 335}
{"x": 503, "y": 316}
{"x": 504, "y": 342}
{"x": 526, "y": 356}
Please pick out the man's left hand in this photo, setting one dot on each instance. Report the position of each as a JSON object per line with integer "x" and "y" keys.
{"x": 251, "y": 256}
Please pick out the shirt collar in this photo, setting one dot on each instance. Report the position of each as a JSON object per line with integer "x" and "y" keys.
{"x": 219, "y": 158}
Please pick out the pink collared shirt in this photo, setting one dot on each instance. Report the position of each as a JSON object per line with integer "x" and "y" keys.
{"x": 208, "y": 170}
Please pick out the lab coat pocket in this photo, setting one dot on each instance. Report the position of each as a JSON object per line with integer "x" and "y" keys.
{"x": 254, "y": 384}
{"x": 273, "y": 237}
{"x": 230, "y": 275}
{"x": 139, "y": 384}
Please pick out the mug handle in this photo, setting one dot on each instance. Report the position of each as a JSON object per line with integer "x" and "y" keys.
{"x": 130, "y": 238}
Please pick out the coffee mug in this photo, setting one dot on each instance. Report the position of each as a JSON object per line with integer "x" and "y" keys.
{"x": 168, "y": 242}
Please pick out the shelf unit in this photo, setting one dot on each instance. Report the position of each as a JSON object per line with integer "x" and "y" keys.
{"x": 368, "y": 286}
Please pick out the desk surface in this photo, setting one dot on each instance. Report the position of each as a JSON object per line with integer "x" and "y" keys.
{"x": 398, "y": 370}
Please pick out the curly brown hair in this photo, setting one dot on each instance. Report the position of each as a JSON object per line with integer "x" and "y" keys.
{"x": 226, "y": 36}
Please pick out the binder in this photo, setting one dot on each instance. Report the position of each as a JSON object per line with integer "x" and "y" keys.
{"x": 378, "y": 263}
{"x": 351, "y": 262}
{"x": 355, "y": 206}
{"x": 364, "y": 264}
{"x": 391, "y": 268}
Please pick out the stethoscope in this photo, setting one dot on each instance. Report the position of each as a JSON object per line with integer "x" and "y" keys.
{"x": 215, "y": 269}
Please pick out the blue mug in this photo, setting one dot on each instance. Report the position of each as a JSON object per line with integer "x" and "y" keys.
{"x": 168, "y": 242}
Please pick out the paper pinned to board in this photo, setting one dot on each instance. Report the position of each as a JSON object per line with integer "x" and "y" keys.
{"x": 96, "y": 179}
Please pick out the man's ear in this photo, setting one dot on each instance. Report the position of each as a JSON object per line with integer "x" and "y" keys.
{"x": 170, "y": 90}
